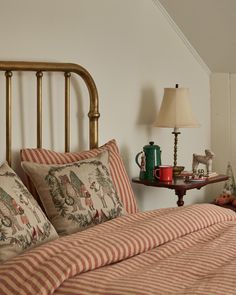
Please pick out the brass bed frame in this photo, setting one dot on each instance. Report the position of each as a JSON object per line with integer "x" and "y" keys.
{"x": 39, "y": 68}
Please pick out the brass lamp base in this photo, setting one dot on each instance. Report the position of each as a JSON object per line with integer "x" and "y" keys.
{"x": 177, "y": 170}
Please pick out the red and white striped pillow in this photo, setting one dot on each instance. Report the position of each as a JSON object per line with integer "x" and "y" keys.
{"x": 117, "y": 168}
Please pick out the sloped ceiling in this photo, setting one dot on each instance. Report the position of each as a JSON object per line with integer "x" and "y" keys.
{"x": 210, "y": 27}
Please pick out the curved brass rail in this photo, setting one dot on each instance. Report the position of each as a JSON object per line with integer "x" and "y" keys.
{"x": 39, "y": 68}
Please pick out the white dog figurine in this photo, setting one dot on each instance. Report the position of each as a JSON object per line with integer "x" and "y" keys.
{"x": 203, "y": 159}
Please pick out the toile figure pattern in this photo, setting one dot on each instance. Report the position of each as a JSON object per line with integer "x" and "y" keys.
{"x": 21, "y": 220}
{"x": 84, "y": 200}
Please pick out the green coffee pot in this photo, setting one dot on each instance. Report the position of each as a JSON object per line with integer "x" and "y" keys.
{"x": 147, "y": 160}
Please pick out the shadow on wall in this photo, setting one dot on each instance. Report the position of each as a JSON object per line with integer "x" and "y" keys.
{"x": 49, "y": 100}
{"x": 145, "y": 117}
{"x": 148, "y": 109}
{"x": 79, "y": 113}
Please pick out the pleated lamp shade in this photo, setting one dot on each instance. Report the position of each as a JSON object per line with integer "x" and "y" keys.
{"x": 176, "y": 111}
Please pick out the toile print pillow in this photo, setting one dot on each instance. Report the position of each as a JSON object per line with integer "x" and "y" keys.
{"x": 23, "y": 225}
{"x": 76, "y": 195}
{"x": 117, "y": 169}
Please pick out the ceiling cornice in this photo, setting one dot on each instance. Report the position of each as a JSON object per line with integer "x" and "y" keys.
{"x": 182, "y": 36}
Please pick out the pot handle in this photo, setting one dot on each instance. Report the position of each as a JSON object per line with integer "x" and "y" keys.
{"x": 141, "y": 165}
{"x": 137, "y": 159}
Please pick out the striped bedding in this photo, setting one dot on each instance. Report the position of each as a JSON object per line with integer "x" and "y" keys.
{"x": 185, "y": 250}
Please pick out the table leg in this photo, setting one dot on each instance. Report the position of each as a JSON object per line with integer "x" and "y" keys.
{"x": 180, "y": 194}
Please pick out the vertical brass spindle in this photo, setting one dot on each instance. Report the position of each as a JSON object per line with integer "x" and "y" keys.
{"x": 176, "y": 133}
{"x": 93, "y": 130}
{"x": 67, "y": 111}
{"x": 8, "y": 75}
{"x": 39, "y": 76}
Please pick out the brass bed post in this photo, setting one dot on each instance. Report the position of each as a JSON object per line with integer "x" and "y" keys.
{"x": 93, "y": 126}
{"x": 39, "y": 76}
{"x": 8, "y": 75}
{"x": 39, "y": 68}
{"x": 93, "y": 110}
{"x": 67, "y": 111}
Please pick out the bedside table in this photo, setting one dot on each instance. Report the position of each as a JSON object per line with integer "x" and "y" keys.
{"x": 180, "y": 185}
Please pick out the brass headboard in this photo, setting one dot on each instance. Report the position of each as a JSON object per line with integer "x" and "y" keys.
{"x": 39, "y": 67}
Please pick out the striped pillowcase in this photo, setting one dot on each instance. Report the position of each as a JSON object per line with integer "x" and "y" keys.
{"x": 117, "y": 168}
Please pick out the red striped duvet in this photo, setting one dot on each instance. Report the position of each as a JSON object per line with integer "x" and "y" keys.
{"x": 186, "y": 250}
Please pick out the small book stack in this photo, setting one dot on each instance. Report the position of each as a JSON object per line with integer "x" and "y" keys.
{"x": 190, "y": 177}
{"x": 212, "y": 174}
{"x": 186, "y": 173}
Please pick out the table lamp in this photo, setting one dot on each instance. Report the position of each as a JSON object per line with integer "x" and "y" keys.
{"x": 176, "y": 112}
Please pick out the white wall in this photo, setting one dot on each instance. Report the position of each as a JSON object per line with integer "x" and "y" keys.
{"x": 223, "y": 94}
{"x": 132, "y": 52}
